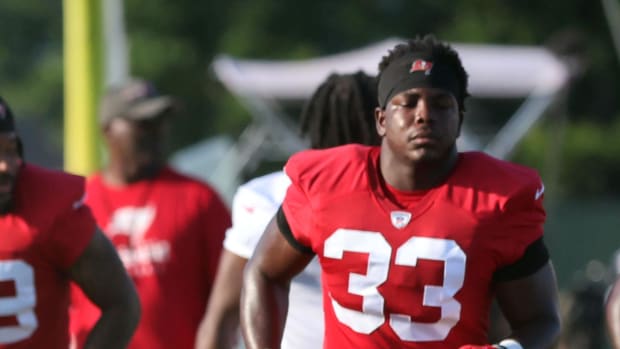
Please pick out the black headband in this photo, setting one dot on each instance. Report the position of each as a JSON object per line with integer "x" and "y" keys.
{"x": 416, "y": 70}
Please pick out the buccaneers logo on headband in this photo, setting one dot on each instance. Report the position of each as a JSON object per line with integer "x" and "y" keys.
{"x": 404, "y": 73}
{"x": 421, "y": 65}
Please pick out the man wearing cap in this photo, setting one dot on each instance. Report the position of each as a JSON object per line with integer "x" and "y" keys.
{"x": 49, "y": 238}
{"x": 414, "y": 238}
{"x": 167, "y": 228}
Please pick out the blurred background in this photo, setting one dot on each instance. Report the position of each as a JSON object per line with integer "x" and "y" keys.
{"x": 225, "y": 136}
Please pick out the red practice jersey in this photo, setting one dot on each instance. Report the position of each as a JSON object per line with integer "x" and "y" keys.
{"x": 169, "y": 233}
{"x": 408, "y": 269}
{"x": 41, "y": 237}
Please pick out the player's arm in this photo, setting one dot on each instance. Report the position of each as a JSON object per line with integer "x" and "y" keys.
{"x": 219, "y": 327}
{"x": 264, "y": 298}
{"x": 211, "y": 333}
{"x": 612, "y": 314}
{"x": 526, "y": 289}
{"x": 103, "y": 279}
{"x": 530, "y": 305}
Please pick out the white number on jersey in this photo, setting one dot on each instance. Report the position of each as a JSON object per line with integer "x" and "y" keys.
{"x": 379, "y": 254}
{"x": 21, "y": 305}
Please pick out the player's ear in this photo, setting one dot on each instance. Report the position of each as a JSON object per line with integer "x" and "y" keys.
{"x": 380, "y": 121}
{"x": 105, "y": 127}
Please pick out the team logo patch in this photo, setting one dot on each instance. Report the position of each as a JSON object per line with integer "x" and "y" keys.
{"x": 400, "y": 219}
{"x": 421, "y": 65}
{"x": 131, "y": 221}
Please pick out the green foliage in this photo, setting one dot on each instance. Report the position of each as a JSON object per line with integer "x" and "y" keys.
{"x": 173, "y": 43}
{"x": 30, "y": 57}
{"x": 591, "y": 159}
{"x": 586, "y": 157}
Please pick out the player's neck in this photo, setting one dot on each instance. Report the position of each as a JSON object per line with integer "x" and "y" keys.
{"x": 418, "y": 176}
{"x": 117, "y": 174}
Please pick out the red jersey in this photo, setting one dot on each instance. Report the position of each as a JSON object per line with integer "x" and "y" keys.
{"x": 42, "y": 236}
{"x": 169, "y": 233}
{"x": 409, "y": 270}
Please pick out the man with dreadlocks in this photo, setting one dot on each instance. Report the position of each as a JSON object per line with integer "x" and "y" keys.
{"x": 340, "y": 111}
{"x": 48, "y": 239}
{"x": 413, "y": 237}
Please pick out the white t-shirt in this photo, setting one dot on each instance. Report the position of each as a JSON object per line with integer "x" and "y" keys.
{"x": 253, "y": 206}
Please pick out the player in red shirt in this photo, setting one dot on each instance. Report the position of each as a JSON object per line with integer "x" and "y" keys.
{"x": 167, "y": 228}
{"x": 414, "y": 238}
{"x": 344, "y": 103}
{"x": 49, "y": 238}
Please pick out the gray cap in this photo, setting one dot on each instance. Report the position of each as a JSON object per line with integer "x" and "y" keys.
{"x": 134, "y": 100}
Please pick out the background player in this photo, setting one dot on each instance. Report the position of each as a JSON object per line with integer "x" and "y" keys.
{"x": 340, "y": 111}
{"x": 413, "y": 237}
{"x": 167, "y": 228}
{"x": 49, "y": 238}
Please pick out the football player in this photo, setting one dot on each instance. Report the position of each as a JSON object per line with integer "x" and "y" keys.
{"x": 340, "y": 111}
{"x": 168, "y": 228}
{"x": 414, "y": 238}
{"x": 49, "y": 238}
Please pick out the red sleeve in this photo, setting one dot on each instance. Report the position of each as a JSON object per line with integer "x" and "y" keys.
{"x": 216, "y": 220}
{"x": 70, "y": 234}
{"x": 297, "y": 206}
{"x": 523, "y": 220}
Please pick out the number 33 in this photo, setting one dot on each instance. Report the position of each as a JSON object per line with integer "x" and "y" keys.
{"x": 379, "y": 254}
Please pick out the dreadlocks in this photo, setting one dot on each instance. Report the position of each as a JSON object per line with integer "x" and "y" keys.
{"x": 341, "y": 111}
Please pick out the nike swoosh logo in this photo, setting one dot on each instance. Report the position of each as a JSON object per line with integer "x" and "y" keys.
{"x": 539, "y": 192}
{"x": 79, "y": 203}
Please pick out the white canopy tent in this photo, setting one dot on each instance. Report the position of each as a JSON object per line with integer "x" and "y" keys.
{"x": 495, "y": 71}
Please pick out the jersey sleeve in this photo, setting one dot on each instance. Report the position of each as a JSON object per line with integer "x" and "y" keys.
{"x": 71, "y": 232}
{"x": 251, "y": 213}
{"x": 523, "y": 220}
{"x": 297, "y": 207}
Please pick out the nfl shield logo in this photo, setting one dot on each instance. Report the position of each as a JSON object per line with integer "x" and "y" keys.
{"x": 400, "y": 219}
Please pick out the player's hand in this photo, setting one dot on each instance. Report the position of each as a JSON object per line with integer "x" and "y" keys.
{"x": 486, "y": 346}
